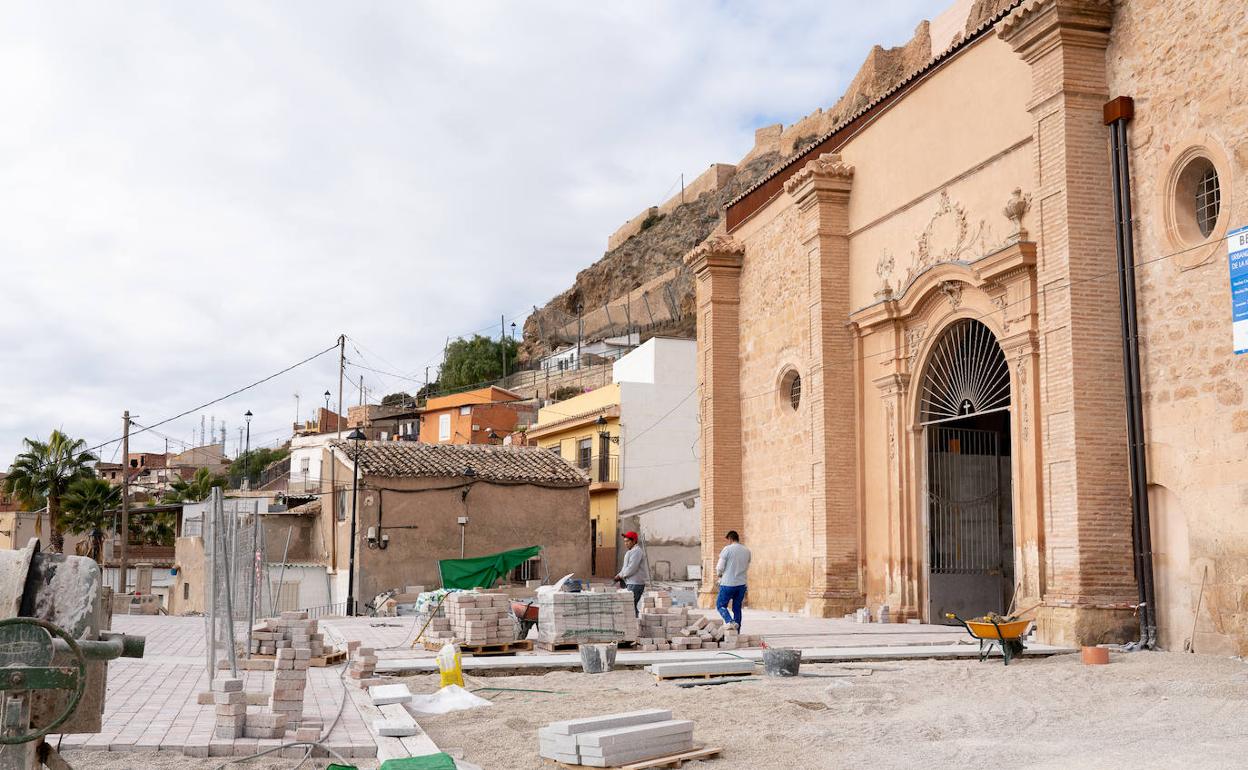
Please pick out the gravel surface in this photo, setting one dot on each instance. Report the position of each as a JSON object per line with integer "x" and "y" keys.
{"x": 1146, "y": 710}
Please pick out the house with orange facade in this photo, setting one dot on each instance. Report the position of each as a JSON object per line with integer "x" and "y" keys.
{"x": 481, "y": 416}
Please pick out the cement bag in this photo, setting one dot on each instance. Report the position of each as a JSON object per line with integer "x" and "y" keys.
{"x": 448, "y": 699}
{"x": 450, "y": 665}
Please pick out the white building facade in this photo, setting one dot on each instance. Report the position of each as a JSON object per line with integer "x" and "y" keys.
{"x": 660, "y": 452}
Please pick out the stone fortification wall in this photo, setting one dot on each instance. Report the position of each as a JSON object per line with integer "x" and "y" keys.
{"x": 644, "y": 254}
{"x": 712, "y": 180}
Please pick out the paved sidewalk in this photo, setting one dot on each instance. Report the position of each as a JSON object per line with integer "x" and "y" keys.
{"x": 151, "y": 702}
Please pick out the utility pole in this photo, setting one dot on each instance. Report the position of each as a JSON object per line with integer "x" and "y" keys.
{"x": 502, "y": 342}
{"x": 331, "y": 504}
{"x": 122, "y": 566}
{"x": 580, "y": 330}
{"x": 361, "y": 389}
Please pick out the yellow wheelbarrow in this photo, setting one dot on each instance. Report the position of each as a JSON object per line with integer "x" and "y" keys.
{"x": 993, "y": 631}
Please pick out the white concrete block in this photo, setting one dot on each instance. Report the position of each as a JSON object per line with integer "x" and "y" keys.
{"x": 637, "y": 753}
{"x": 635, "y": 735}
{"x": 608, "y": 722}
{"x": 389, "y": 693}
{"x": 695, "y": 668}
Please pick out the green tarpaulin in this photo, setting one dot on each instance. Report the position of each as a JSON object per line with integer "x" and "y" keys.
{"x": 427, "y": 762}
{"x": 482, "y": 571}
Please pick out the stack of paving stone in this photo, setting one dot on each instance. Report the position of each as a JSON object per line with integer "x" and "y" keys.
{"x": 665, "y": 627}
{"x": 231, "y": 708}
{"x": 586, "y": 617}
{"x": 616, "y": 739}
{"x": 363, "y": 669}
{"x": 291, "y": 629}
{"x": 431, "y": 615}
{"x": 290, "y": 678}
{"x": 660, "y": 621}
{"x": 480, "y": 618}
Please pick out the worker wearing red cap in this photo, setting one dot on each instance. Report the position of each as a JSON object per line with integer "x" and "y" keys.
{"x": 635, "y": 573}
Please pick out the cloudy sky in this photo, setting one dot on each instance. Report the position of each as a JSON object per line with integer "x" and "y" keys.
{"x": 194, "y": 196}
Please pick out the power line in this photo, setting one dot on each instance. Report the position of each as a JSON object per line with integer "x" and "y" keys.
{"x": 218, "y": 400}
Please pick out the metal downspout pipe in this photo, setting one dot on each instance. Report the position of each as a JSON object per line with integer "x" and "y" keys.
{"x": 1118, "y": 113}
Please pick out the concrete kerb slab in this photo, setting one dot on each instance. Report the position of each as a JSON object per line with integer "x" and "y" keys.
{"x": 558, "y": 661}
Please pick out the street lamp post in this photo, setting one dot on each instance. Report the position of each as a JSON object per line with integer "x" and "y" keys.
{"x": 355, "y": 437}
{"x": 247, "y": 451}
{"x": 322, "y": 427}
{"x": 255, "y": 544}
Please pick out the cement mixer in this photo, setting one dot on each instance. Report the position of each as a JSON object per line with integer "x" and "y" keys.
{"x": 54, "y": 653}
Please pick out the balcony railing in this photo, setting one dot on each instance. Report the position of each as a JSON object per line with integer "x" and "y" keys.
{"x": 602, "y": 469}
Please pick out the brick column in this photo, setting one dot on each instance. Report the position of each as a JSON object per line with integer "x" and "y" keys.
{"x": 1088, "y": 518}
{"x": 716, "y": 265}
{"x": 821, "y": 191}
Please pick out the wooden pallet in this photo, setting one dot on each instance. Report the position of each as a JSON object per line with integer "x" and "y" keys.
{"x": 671, "y": 760}
{"x": 568, "y": 646}
{"x": 332, "y": 659}
{"x": 483, "y": 650}
{"x": 661, "y": 678}
{"x": 555, "y": 646}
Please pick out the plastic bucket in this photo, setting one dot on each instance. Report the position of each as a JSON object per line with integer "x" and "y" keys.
{"x": 778, "y": 661}
{"x": 597, "y": 658}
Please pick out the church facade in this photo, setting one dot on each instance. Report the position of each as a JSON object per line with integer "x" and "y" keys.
{"x": 915, "y": 388}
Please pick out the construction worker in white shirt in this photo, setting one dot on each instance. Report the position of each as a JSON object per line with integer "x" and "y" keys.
{"x": 734, "y": 563}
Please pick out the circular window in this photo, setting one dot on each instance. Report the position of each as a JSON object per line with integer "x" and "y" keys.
{"x": 1197, "y": 200}
{"x": 791, "y": 389}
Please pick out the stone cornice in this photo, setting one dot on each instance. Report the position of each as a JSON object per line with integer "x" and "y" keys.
{"x": 1036, "y": 26}
{"x": 722, "y": 251}
{"x": 827, "y": 172}
{"x": 1014, "y": 262}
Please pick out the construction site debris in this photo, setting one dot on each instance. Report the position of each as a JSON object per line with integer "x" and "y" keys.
{"x": 664, "y": 626}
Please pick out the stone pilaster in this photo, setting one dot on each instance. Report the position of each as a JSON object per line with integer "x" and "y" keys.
{"x": 716, "y": 266}
{"x": 821, "y": 192}
{"x": 1091, "y": 586}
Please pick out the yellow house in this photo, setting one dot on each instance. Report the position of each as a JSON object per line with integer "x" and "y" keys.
{"x": 585, "y": 431}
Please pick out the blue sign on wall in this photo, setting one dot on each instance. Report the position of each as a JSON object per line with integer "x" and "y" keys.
{"x": 1237, "y": 253}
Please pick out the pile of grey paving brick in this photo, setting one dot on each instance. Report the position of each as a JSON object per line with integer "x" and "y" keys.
{"x": 586, "y": 617}
{"x": 362, "y": 672}
{"x": 292, "y": 655}
{"x": 615, "y": 739}
{"x": 473, "y": 618}
{"x": 665, "y": 627}
{"x": 290, "y": 629}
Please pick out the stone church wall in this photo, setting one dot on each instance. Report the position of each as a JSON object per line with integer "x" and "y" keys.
{"x": 1183, "y": 63}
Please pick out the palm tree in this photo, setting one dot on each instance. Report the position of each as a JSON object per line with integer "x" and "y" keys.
{"x": 195, "y": 490}
{"x": 87, "y": 503}
{"x": 152, "y": 527}
{"x": 46, "y": 469}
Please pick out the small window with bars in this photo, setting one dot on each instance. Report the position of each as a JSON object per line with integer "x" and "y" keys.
{"x": 1208, "y": 201}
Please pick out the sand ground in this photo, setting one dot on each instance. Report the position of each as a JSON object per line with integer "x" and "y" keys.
{"x": 1145, "y": 710}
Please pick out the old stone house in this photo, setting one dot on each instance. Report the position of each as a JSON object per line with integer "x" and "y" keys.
{"x": 912, "y": 353}
{"x": 418, "y": 503}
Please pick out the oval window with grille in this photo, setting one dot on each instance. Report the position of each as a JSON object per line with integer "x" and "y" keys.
{"x": 790, "y": 389}
{"x": 966, "y": 375}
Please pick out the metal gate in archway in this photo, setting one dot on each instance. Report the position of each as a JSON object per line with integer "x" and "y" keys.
{"x": 964, "y": 406}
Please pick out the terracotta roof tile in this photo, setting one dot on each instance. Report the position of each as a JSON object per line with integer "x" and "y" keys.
{"x": 491, "y": 463}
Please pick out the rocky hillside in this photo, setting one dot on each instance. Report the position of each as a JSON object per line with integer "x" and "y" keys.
{"x": 643, "y": 284}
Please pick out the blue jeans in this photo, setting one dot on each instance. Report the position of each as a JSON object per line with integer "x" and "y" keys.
{"x": 735, "y": 595}
{"x": 638, "y": 589}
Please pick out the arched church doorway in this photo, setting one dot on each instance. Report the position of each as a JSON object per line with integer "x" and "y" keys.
{"x": 964, "y": 407}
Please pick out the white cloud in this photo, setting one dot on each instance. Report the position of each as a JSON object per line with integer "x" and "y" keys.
{"x": 193, "y": 196}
